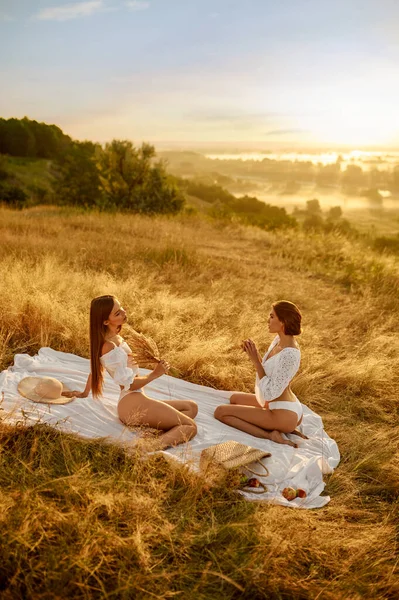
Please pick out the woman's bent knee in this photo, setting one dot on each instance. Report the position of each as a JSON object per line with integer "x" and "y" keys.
{"x": 193, "y": 408}
{"x": 190, "y": 430}
{"x": 234, "y": 398}
{"x": 219, "y": 412}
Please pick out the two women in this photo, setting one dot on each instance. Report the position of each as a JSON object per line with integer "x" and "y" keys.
{"x": 268, "y": 413}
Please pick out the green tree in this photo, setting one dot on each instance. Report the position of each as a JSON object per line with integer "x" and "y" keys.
{"x": 130, "y": 181}
{"x": 353, "y": 176}
{"x": 328, "y": 175}
{"x": 23, "y": 137}
{"x": 313, "y": 206}
{"x": 77, "y": 180}
{"x": 17, "y": 138}
{"x": 334, "y": 213}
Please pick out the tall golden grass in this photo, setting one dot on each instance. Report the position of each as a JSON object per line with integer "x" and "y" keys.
{"x": 82, "y": 520}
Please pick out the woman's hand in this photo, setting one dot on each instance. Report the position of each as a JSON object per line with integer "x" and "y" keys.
{"x": 74, "y": 394}
{"x": 162, "y": 367}
{"x": 250, "y": 348}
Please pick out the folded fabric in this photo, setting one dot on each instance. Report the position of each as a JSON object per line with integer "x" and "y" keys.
{"x": 301, "y": 467}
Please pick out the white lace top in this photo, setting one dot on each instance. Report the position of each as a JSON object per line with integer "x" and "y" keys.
{"x": 120, "y": 365}
{"x": 279, "y": 371}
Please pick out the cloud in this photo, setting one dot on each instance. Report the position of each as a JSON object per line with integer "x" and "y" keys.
{"x": 232, "y": 116}
{"x": 5, "y": 18}
{"x": 285, "y": 131}
{"x": 66, "y": 12}
{"x": 137, "y": 5}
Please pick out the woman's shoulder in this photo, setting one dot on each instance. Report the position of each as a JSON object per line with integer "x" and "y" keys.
{"x": 291, "y": 348}
{"x": 116, "y": 339}
{"x": 107, "y": 347}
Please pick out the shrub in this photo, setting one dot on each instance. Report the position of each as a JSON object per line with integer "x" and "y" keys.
{"x": 13, "y": 196}
{"x": 387, "y": 244}
{"x": 334, "y": 213}
{"x": 313, "y": 206}
{"x": 209, "y": 193}
{"x": 4, "y": 174}
{"x": 313, "y": 222}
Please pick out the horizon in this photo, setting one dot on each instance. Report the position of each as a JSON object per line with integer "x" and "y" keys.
{"x": 303, "y": 74}
{"x": 236, "y": 147}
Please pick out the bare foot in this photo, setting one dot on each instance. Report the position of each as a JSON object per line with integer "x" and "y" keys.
{"x": 301, "y": 435}
{"x": 278, "y": 439}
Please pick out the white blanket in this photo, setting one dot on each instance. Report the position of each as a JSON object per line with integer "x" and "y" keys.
{"x": 301, "y": 467}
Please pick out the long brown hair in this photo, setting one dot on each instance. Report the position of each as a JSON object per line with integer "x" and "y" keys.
{"x": 289, "y": 314}
{"x": 100, "y": 309}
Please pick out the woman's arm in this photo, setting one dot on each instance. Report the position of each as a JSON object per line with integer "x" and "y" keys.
{"x": 271, "y": 387}
{"x": 76, "y": 394}
{"x": 87, "y": 389}
{"x": 140, "y": 381}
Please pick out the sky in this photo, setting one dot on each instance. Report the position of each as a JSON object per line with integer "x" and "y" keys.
{"x": 249, "y": 73}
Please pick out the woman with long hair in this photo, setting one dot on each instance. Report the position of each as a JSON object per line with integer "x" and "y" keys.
{"x": 108, "y": 350}
{"x": 273, "y": 409}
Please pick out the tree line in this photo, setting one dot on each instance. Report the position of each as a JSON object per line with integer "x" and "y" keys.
{"x": 118, "y": 176}
{"x": 24, "y": 137}
{"x": 287, "y": 176}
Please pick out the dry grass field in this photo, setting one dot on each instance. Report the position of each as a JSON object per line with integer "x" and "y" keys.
{"x": 82, "y": 520}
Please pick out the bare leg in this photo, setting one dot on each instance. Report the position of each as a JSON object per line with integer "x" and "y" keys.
{"x": 138, "y": 409}
{"x": 186, "y": 407}
{"x": 300, "y": 434}
{"x": 274, "y": 436}
{"x": 247, "y": 427}
{"x": 259, "y": 422}
{"x": 244, "y": 399}
{"x": 278, "y": 439}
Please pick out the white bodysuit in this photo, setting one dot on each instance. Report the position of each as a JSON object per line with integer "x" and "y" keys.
{"x": 279, "y": 371}
{"x": 119, "y": 363}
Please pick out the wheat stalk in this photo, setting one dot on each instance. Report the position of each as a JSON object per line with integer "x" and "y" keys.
{"x": 144, "y": 349}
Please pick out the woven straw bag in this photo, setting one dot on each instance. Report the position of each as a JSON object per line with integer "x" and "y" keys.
{"x": 231, "y": 455}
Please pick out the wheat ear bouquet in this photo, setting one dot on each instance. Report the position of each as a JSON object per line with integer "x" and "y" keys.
{"x": 145, "y": 350}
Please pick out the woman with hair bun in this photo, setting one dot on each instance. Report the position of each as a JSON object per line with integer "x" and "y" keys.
{"x": 273, "y": 409}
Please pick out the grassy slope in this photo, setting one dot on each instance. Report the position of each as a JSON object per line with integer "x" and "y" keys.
{"x": 28, "y": 172}
{"x": 371, "y": 220}
{"x": 82, "y": 520}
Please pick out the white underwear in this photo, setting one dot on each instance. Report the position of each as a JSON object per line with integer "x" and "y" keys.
{"x": 126, "y": 392}
{"x": 295, "y": 407}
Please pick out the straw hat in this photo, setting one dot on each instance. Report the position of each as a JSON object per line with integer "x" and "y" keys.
{"x": 44, "y": 389}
